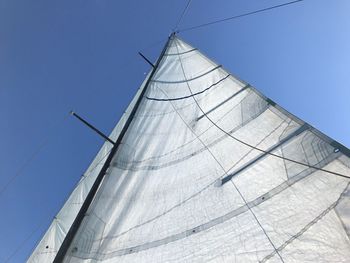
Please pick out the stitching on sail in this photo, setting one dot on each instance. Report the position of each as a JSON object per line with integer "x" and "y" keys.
{"x": 239, "y": 192}
{"x": 132, "y": 166}
{"x": 236, "y": 163}
{"x": 305, "y": 228}
{"x": 245, "y": 122}
{"x": 181, "y": 53}
{"x": 189, "y": 96}
{"x": 248, "y": 120}
{"x": 342, "y": 223}
{"x": 183, "y": 107}
{"x": 187, "y": 80}
{"x": 172, "y": 111}
{"x": 179, "y": 108}
{"x": 216, "y": 221}
{"x": 139, "y": 115}
{"x": 231, "y": 131}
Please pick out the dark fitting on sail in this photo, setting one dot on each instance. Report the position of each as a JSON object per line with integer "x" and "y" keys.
{"x": 92, "y": 127}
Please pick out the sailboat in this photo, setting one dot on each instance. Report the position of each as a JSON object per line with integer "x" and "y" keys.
{"x": 202, "y": 167}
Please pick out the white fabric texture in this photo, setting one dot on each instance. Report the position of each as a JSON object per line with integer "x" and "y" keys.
{"x": 161, "y": 200}
{"x": 47, "y": 248}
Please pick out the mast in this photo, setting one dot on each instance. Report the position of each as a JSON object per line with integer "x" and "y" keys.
{"x": 90, "y": 197}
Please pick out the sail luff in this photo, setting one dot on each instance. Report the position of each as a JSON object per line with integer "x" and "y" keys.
{"x": 46, "y": 248}
{"x": 76, "y": 224}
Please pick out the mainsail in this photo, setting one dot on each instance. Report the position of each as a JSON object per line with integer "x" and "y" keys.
{"x": 209, "y": 169}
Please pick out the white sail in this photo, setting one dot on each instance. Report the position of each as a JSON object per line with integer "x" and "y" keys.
{"x": 47, "y": 248}
{"x": 182, "y": 186}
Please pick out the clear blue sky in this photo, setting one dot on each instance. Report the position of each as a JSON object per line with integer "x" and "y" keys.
{"x": 61, "y": 55}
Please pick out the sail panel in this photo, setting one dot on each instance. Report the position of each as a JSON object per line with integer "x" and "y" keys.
{"x": 162, "y": 199}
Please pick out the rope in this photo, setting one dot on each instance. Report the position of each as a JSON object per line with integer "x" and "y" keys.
{"x": 182, "y": 15}
{"x": 238, "y": 16}
{"x": 41, "y": 146}
{"x": 24, "y": 241}
{"x": 38, "y": 149}
{"x": 20, "y": 246}
{"x": 189, "y": 96}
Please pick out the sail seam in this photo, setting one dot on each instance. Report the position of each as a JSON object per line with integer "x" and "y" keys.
{"x": 306, "y": 227}
{"x": 181, "y": 53}
{"x": 203, "y": 189}
{"x": 187, "y": 80}
{"x": 206, "y": 130}
{"x": 216, "y": 221}
{"x": 134, "y": 167}
{"x": 157, "y": 114}
{"x": 189, "y": 96}
{"x": 239, "y": 192}
{"x": 170, "y": 111}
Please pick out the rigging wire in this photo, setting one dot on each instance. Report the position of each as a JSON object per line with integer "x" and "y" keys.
{"x": 40, "y": 225}
{"x": 204, "y": 114}
{"x": 31, "y": 158}
{"x": 42, "y": 145}
{"x": 45, "y": 140}
{"x": 238, "y": 16}
{"x": 20, "y": 246}
{"x": 35, "y": 153}
{"x": 182, "y": 15}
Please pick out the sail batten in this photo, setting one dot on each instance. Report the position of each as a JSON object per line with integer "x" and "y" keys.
{"x": 160, "y": 200}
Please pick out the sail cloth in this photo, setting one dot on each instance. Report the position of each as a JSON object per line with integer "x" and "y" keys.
{"x": 163, "y": 198}
{"x": 49, "y": 245}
